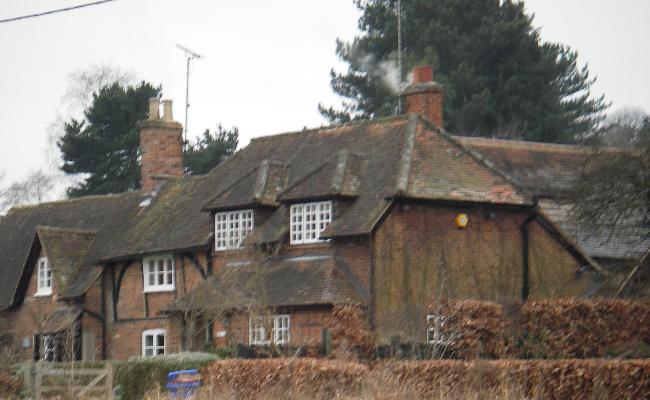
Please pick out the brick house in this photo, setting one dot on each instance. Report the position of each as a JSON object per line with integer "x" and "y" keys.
{"x": 392, "y": 213}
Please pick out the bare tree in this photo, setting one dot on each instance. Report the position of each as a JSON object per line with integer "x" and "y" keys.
{"x": 84, "y": 83}
{"x": 612, "y": 199}
{"x": 624, "y": 129}
{"x": 34, "y": 189}
{"x": 237, "y": 290}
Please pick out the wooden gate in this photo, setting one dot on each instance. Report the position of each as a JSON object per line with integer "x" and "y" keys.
{"x": 77, "y": 382}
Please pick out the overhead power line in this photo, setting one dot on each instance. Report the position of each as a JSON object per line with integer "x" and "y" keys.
{"x": 55, "y": 11}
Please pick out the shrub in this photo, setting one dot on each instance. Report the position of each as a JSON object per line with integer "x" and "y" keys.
{"x": 138, "y": 375}
{"x": 285, "y": 377}
{"x": 8, "y": 385}
{"x": 351, "y": 332}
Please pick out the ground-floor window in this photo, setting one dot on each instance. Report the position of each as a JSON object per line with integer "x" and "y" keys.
{"x": 279, "y": 325}
{"x": 153, "y": 342}
{"x": 52, "y": 348}
{"x": 437, "y": 333}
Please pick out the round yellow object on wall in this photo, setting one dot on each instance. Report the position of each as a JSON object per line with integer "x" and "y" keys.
{"x": 461, "y": 220}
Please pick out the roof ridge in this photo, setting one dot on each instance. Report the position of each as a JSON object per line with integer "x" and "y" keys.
{"x": 339, "y": 171}
{"x": 323, "y": 128}
{"x": 357, "y": 122}
{"x": 407, "y": 156}
{"x": 59, "y": 229}
{"x": 475, "y": 155}
{"x": 524, "y": 144}
{"x": 76, "y": 199}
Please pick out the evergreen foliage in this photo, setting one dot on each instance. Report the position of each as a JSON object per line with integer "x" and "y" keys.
{"x": 207, "y": 152}
{"x": 105, "y": 145}
{"x": 499, "y": 79}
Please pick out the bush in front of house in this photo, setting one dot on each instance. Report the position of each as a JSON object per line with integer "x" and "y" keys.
{"x": 138, "y": 375}
{"x": 9, "y": 386}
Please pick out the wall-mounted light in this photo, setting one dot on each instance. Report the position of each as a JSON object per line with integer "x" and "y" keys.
{"x": 461, "y": 220}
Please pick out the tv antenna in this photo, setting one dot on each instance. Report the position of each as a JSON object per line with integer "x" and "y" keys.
{"x": 399, "y": 52}
{"x": 190, "y": 55}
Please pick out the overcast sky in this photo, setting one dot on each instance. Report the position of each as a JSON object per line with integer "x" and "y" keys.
{"x": 266, "y": 64}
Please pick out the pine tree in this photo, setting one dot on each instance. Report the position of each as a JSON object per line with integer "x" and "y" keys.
{"x": 199, "y": 158}
{"x": 499, "y": 79}
{"x": 105, "y": 145}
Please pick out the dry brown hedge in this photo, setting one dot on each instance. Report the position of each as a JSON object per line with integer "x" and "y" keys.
{"x": 535, "y": 379}
{"x": 479, "y": 328}
{"x": 578, "y": 328}
{"x": 548, "y": 379}
{"x": 351, "y": 332}
{"x": 558, "y": 328}
{"x": 8, "y": 385}
{"x": 284, "y": 376}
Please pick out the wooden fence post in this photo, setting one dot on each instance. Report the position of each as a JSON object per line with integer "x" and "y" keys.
{"x": 38, "y": 381}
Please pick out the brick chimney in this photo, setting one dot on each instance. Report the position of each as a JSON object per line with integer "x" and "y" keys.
{"x": 424, "y": 96}
{"x": 161, "y": 146}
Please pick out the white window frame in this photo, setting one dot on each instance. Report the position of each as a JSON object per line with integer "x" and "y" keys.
{"x": 44, "y": 277}
{"x": 437, "y": 335}
{"x": 231, "y": 228}
{"x": 257, "y": 335}
{"x": 154, "y": 347}
{"x": 308, "y": 221}
{"x": 49, "y": 348}
{"x": 157, "y": 279}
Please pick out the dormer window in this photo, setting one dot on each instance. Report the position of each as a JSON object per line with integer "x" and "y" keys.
{"x": 44, "y": 280}
{"x": 309, "y": 220}
{"x": 231, "y": 228}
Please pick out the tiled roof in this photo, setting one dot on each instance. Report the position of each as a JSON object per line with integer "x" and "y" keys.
{"x": 340, "y": 175}
{"x": 316, "y": 279}
{"x": 272, "y": 230}
{"x": 66, "y": 251}
{"x": 172, "y": 221}
{"x": 628, "y": 242}
{"x": 546, "y": 169}
{"x": 259, "y": 186}
{"x": 18, "y": 229}
{"x": 372, "y": 161}
{"x": 60, "y": 319}
{"x": 552, "y": 171}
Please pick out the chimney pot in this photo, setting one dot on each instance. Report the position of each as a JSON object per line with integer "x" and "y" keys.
{"x": 161, "y": 145}
{"x": 426, "y": 74}
{"x": 424, "y": 96}
{"x": 154, "y": 109}
{"x": 417, "y": 72}
{"x": 167, "y": 110}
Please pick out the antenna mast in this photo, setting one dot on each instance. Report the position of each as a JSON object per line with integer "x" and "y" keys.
{"x": 190, "y": 55}
{"x": 399, "y": 51}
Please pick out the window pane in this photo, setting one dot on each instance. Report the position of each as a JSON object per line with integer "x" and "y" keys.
{"x": 160, "y": 340}
{"x": 148, "y": 341}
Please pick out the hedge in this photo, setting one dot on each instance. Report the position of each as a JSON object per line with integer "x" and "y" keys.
{"x": 534, "y": 379}
{"x": 138, "y": 375}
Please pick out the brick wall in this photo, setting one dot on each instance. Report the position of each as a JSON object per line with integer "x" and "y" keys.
{"x": 138, "y": 311}
{"x": 306, "y": 327}
{"x": 162, "y": 152}
{"x": 28, "y": 319}
{"x": 422, "y": 257}
{"x": 427, "y": 103}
